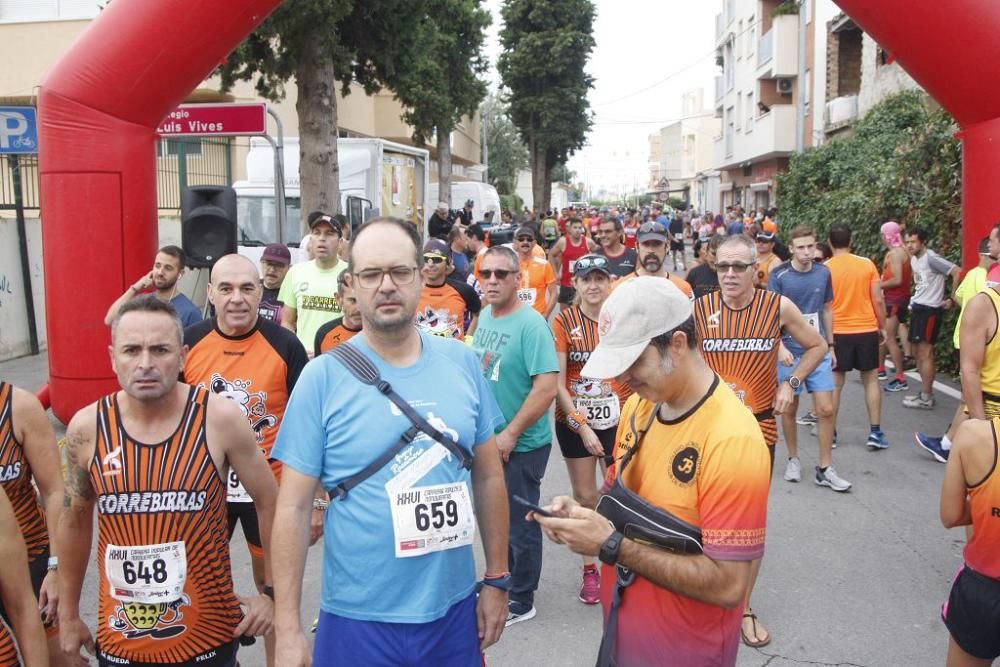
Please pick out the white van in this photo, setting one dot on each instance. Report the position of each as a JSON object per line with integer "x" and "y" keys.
{"x": 483, "y": 195}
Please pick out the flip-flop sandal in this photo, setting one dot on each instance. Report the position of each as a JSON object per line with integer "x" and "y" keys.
{"x": 753, "y": 642}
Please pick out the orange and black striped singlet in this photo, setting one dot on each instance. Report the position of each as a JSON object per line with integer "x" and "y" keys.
{"x": 15, "y": 477}
{"x": 742, "y": 347}
{"x": 9, "y": 657}
{"x": 161, "y": 509}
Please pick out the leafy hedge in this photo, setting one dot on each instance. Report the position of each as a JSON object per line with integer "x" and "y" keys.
{"x": 901, "y": 163}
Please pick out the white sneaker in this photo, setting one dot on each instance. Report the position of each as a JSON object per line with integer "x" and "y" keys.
{"x": 919, "y": 402}
{"x": 830, "y": 478}
{"x": 793, "y": 470}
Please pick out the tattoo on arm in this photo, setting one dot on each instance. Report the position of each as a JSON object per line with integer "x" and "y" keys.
{"x": 77, "y": 472}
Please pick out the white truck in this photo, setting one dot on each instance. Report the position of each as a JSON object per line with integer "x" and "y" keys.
{"x": 483, "y": 195}
{"x": 377, "y": 177}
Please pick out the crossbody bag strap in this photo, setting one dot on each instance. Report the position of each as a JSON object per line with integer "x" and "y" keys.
{"x": 365, "y": 371}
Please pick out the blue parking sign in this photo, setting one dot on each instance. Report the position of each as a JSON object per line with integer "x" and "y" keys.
{"x": 18, "y": 130}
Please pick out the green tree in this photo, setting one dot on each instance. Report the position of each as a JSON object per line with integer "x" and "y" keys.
{"x": 506, "y": 154}
{"x": 442, "y": 82}
{"x": 546, "y": 45}
{"x": 562, "y": 174}
{"x": 322, "y": 43}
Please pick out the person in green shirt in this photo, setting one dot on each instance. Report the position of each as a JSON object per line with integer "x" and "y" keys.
{"x": 309, "y": 292}
{"x": 518, "y": 357}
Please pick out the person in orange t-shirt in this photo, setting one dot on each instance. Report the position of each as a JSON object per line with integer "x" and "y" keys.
{"x": 538, "y": 288}
{"x": 675, "y": 453}
{"x": 448, "y": 307}
{"x": 858, "y": 327}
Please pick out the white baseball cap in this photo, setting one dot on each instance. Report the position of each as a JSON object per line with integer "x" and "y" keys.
{"x": 635, "y": 313}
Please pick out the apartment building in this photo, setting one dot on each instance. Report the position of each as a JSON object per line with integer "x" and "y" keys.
{"x": 687, "y": 147}
{"x": 763, "y": 96}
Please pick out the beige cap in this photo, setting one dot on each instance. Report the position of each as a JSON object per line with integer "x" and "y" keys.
{"x": 635, "y": 313}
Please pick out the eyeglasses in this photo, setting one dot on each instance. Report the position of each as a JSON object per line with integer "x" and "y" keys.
{"x": 399, "y": 275}
{"x": 433, "y": 259}
{"x": 501, "y": 274}
{"x": 735, "y": 267}
{"x": 588, "y": 262}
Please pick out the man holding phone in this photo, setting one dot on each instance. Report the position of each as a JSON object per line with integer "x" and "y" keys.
{"x": 687, "y": 604}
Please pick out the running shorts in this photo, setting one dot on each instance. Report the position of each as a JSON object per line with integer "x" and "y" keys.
{"x": 220, "y": 656}
{"x": 972, "y": 613}
{"x": 676, "y": 245}
{"x": 566, "y": 294}
{"x": 571, "y": 444}
{"x": 246, "y": 515}
{"x": 450, "y": 641}
{"x": 856, "y": 352}
{"x": 925, "y": 323}
{"x": 821, "y": 379}
{"x": 900, "y": 309}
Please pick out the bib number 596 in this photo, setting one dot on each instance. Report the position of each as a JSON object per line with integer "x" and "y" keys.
{"x": 437, "y": 514}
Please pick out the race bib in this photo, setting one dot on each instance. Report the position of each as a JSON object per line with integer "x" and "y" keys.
{"x": 679, "y": 237}
{"x": 527, "y": 295}
{"x": 602, "y": 412}
{"x": 235, "y": 493}
{"x": 812, "y": 319}
{"x": 433, "y": 518}
{"x": 572, "y": 266}
{"x": 148, "y": 574}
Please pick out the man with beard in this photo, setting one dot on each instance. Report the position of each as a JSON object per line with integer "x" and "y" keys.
{"x": 274, "y": 263}
{"x": 168, "y": 267}
{"x": 652, "y": 241}
{"x": 621, "y": 260}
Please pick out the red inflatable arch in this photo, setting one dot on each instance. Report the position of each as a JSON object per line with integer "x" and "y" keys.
{"x": 98, "y": 111}
{"x": 951, "y": 49}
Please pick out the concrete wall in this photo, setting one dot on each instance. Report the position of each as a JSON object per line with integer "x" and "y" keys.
{"x": 14, "y": 336}
{"x": 878, "y": 81}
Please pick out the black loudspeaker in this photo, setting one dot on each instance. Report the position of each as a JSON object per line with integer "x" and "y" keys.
{"x": 208, "y": 223}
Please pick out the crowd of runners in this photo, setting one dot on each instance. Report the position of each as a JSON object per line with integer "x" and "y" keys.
{"x": 392, "y": 396}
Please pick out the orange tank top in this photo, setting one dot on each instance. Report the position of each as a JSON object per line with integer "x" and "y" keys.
{"x": 166, "y": 590}
{"x": 9, "y": 657}
{"x": 982, "y": 553}
{"x": 15, "y": 477}
{"x": 742, "y": 345}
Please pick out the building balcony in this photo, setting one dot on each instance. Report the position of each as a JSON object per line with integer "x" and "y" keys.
{"x": 840, "y": 112}
{"x": 778, "y": 49}
{"x": 773, "y": 136}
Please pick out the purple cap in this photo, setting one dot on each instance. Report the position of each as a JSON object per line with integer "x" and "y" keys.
{"x": 277, "y": 253}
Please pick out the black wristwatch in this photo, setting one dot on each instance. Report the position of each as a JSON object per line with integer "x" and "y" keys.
{"x": 268, "y": 591}
{"x": 610, "y": 548}
{"x": 794, "y": 382}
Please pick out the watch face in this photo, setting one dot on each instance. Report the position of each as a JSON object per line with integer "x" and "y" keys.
{"x": 794, "y": 382}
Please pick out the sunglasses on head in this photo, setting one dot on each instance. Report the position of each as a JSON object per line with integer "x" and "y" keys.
{"x": 590, "y": 262}
{"x": 648, "y": 227}
{"x": 501, "y": 274}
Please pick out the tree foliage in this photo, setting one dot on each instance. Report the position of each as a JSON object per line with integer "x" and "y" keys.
{"x": 546, "y": 45}
{"x": 901, "y": 163}
{"x": 506, "y": 153}
{"x": 322, "y": 43}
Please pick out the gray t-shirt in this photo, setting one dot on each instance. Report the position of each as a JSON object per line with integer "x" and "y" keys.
{"x": 929, "y": 273}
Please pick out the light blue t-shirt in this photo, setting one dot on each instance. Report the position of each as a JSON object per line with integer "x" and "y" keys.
{"x": 334, "y": 426}
{"x": 187, "y": 311}
{"x": 809, "y": 290}
{"x": 513, "y": 349}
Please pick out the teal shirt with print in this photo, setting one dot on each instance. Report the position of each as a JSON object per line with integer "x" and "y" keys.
{"x": 513, "y": 349}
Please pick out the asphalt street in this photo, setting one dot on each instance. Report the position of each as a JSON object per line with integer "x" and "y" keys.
{"x": 848, "y": 579}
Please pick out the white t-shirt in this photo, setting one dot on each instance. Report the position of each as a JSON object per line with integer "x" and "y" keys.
{"x": 929, "y": 273}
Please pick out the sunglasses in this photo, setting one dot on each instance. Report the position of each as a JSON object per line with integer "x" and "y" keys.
{"x": 523, "y": 239}
{"x": 736, "y": 267}
{"x": 590, "y": 262}
{"x": 501, "y": 274}
{"x": 648, "y": 227}
{"x": 433, "y": 259}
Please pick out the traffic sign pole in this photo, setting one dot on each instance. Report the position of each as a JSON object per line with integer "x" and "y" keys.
{"x": 29, "y": 295}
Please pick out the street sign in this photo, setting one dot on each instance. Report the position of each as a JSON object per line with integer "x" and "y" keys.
{"x": 223, "y": 120}
{"x": 18, "y": 130}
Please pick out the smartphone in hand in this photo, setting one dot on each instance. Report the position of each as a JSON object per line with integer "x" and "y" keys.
{"x": 531, "y": 506}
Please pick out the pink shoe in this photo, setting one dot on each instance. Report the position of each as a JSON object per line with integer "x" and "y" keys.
{"x": 590, "y": 592}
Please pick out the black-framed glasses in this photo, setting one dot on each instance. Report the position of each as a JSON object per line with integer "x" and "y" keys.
{"x": 735, "y": 267}
{"x": 588, "y": 262}
{"x": 433, "y": 259}
{"x": 399, "y": 275}
{"x": 501, "y": 274}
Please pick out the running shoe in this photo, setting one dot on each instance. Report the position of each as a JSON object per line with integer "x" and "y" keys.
{"x": 815, "y": 431}
{"x": 590, "y": 592}
{"x": 932, "y": 445}
{"x": 793, "y": 470}
{"x": 877, "y": 441}
{"x": 909, "y": 363}
{"x": 808, "y": 419}
{"x": 829, "y": 477}
{"x": 519, "y": 611}
{"x": 897, "y": 385}
{"x": 882, "y": 374}
{"x": 919, "y": 402}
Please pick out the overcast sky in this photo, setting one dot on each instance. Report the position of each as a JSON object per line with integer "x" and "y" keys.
{"x": 648, "y": 53}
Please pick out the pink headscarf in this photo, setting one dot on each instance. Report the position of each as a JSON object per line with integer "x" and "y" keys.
{"x": 890, "y": 232}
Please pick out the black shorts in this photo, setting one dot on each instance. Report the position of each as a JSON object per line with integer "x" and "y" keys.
{"x": 566, "y": 294}
{"x": 972, "y": 614}
{"x": 220, "y": 656}
{"x": 898, "y": 309}
{"x": 572, "y": 447}
{"x": 677, "y": 245}
{"x": 856, "y": 352}
{"x": 925, "y": 323}
{"x": 246, "y": 515}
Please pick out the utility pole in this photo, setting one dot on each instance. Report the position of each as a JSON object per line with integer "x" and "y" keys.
{"x": 800, "y": 136}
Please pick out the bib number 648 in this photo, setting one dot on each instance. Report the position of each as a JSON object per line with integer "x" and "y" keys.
{"x": 133, "y": 572}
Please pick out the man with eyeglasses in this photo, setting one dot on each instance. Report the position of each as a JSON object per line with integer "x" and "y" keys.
{"x": 652, "y": 241}
{"x": 621, "y": 260}
{"x": 448, "y": 307}
{"x": 538, "y": 281}
{"x": 739, "y": 329}
{"x": 399, "y": 574}
{"x": 518, "y": 359}
{"x": 564, "y": 254}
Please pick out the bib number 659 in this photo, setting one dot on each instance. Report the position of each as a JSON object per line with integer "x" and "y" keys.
{"x": 437, "y": 514}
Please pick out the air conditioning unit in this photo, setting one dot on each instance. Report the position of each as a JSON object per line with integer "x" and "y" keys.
{"x": 785, "y": 86}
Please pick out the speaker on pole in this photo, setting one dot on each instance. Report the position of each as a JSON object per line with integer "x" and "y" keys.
{"x": 208, "y": 223}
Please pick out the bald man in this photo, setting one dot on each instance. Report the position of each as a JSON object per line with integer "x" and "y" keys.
{"x": 255, "y": 363}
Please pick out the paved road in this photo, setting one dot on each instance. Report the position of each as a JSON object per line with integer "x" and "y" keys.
{"x": 848, "y": 579}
